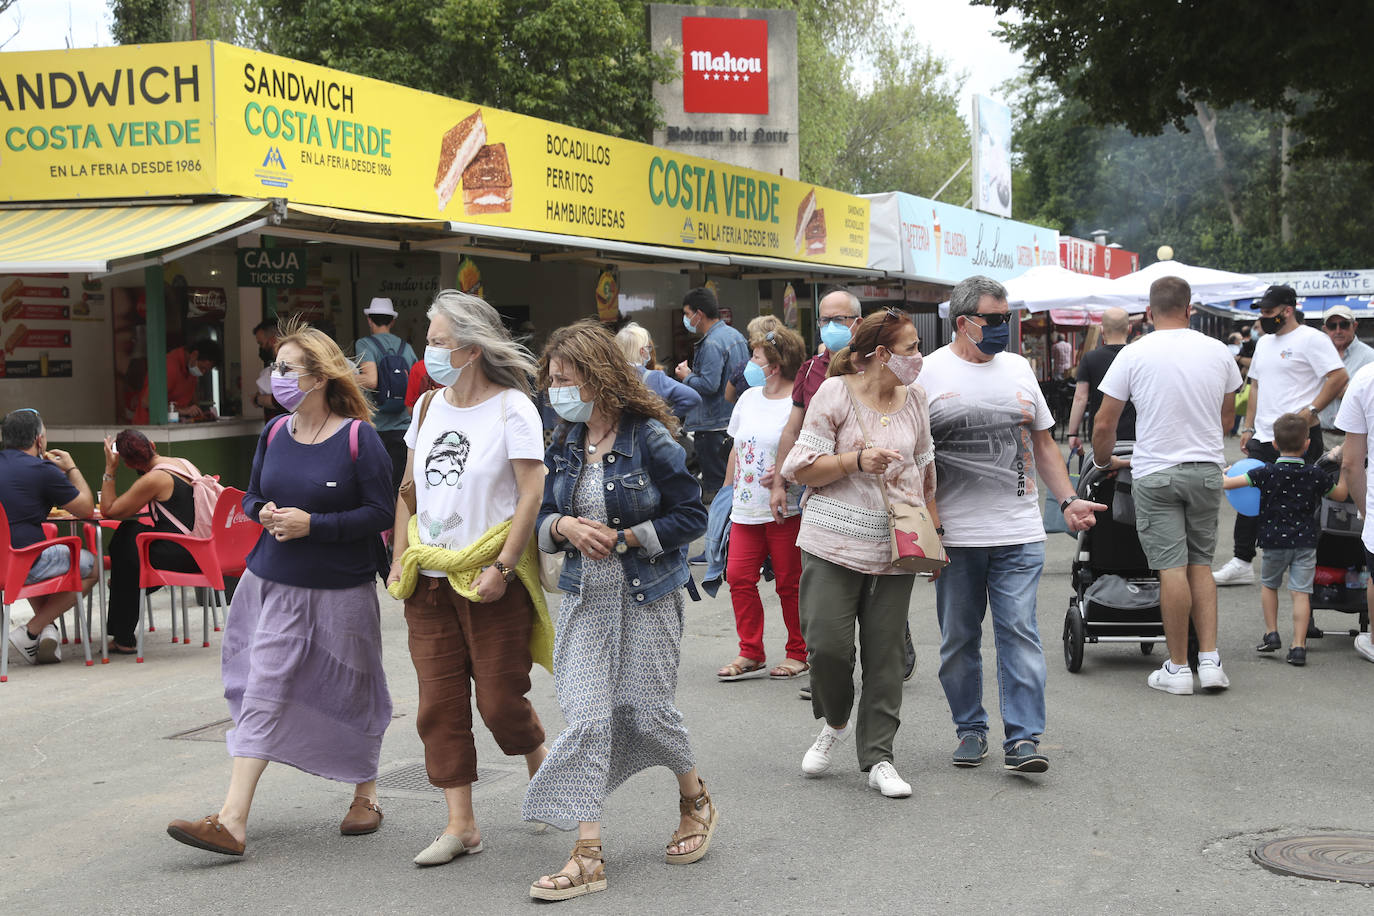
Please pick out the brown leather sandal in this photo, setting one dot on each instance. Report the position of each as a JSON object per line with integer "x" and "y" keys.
{"x": 584, "y": 882}
{"x": 208, "y": 834}
{"x": 690, "y": 807}
{"x": 364, "y": 816}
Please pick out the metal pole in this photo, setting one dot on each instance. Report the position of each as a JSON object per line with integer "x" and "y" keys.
{"x": 156, "y": 344}
{"x": 959, "y": 171}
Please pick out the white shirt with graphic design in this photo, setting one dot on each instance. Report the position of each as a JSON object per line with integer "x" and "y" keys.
{"x": 464, "y": 482}
{"x": 1291, "y": 369}
{"x": 981, "y": 419}
{"x": 756, "y": 426}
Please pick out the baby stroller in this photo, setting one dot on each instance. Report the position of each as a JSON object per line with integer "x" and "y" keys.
{"x": 1116, "y": 593}
{"x": 1339, "y": 582}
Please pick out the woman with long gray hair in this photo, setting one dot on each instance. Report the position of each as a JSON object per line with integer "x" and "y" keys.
{"x": 465, "y": 561}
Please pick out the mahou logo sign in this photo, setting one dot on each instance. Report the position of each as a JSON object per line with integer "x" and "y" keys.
{"x": 725, "y": 65}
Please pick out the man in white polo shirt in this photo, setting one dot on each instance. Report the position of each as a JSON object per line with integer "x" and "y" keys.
{"x": 1181, "y": 419}
{"x": 1296, "y": 369}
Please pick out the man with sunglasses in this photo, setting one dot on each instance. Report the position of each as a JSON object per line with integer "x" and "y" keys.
{"x": 1341, "y": 327}
{"x": 1296, "y": 369}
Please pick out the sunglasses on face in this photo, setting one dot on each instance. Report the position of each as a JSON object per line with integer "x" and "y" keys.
{"x": 281, "y": 368}
{"x": 1338, "y": 324}
{"x": 993, "y": 319}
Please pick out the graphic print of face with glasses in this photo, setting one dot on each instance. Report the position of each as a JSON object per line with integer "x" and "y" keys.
{"x": 446, "y": 460}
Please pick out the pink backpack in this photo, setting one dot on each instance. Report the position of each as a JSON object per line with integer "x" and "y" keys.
{"x": 205, "y": 491}
{"x": 279, "y": 422}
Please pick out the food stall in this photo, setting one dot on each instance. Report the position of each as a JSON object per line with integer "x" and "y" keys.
{"x": 156, "y": 195}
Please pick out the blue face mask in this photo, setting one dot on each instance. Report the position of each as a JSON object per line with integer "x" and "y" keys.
{"x": 835, "y": 336}
{"x": 754, "y": 374}
{"x": 567, "y": 403}
{"x": 687, "y": 323}
{"x": 995, "y": 339}
{"x": 439, "y": 365}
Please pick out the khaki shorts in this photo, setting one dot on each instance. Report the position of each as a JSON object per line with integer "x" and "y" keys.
{"x": 1176, "y": 514}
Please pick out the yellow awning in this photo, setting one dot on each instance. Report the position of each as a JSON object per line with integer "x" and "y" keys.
{"x": 89, "y": 239}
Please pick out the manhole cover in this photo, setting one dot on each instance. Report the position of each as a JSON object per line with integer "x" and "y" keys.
{"x": 1323, "y": 856}
{"x": 215, "y": 731}
{"x": 412, "y": 780}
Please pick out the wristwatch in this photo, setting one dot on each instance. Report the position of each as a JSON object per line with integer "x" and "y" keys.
{"x": 1065, "y": 504}
{"x": 506, "y": 572}
{"x": 620, "y": 543}
{"x": 1313, "y": 409}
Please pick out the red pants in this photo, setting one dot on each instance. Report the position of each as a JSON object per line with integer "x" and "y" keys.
{"x": 749, "y": 544}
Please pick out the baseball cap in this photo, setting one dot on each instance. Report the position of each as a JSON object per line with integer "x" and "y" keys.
{"x": 380, "y": 306}
{"x": 1339, "y": 311}
{"x": 1276, "y": 296}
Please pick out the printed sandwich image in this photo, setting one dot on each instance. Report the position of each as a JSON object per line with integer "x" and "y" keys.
{"x": 459, "y": 147}
{"x": 12, "y": 290}
{"x": 815, "y": 233}
{"x": 12, "y": 342}
{"x": 805, "y": 210}
{"x": 487, "y": 182}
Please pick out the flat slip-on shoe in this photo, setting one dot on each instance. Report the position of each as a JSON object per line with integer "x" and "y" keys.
{"x": 363, "y": 817}
{"x": 207, "y": 833}
{"x": 445, "y": 848}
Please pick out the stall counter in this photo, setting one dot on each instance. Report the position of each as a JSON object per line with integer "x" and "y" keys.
{"x": 223, "y": 447}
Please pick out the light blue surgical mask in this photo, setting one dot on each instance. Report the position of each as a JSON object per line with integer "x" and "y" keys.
{"x": 687, "y": 323}
{"x": 835, "y": 336}
{"x": 754, "y": 374}
{"x": 567, "y": 403}
{"x": 439, "y": 365}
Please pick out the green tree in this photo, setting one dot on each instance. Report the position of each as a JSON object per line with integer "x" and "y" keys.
{"x": 239, "y": 22}
{"x": 1145, "y": 64}
{"x": 143, "y": 21}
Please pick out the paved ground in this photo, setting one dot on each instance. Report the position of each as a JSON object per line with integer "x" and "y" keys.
{"x": 1151, "y": 804}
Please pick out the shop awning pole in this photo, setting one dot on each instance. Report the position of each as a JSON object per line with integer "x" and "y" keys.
{"x": 156, "y": 345}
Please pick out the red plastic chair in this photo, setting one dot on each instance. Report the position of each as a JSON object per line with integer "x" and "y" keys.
{"x": 224, "y": 553}
{"x": 15, "y": 564}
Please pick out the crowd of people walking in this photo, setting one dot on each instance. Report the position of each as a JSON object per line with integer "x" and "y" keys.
{"x": 467, "y": 512}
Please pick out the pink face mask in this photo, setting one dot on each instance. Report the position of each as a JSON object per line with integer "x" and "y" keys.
{"x": 906, "y": 368}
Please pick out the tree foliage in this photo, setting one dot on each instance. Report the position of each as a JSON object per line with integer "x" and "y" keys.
{"x": 142, "y": 21}
{"x": 1145, "y": 64}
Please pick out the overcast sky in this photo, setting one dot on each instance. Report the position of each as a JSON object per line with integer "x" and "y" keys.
{"x": 956, "y": 31}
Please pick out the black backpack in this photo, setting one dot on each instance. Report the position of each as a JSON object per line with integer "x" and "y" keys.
{"x": 393, "y": 372}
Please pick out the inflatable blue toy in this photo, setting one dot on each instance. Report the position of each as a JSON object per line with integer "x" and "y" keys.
{"x": 1244, "y": 500}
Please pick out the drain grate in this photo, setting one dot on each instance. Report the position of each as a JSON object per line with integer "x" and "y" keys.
{"x": 215, "y": 731}
{"x": 411, "y": 780}
{"x": 1344, "y": 857}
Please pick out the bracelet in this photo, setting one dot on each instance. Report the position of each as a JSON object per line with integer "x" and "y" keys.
{"x": 108, "y": 478}
{"x": 859, "y": 461}
{"x": 1102, "y": 467}
{"x": 1248, "y": 429}
{"x": 554, "y": 528}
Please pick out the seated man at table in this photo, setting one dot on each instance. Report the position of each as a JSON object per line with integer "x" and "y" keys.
{"x": 34, "y": 479}
{"x": 169, "y": 497}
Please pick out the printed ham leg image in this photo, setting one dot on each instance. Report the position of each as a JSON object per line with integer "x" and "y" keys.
{"x": 459, "y": 147}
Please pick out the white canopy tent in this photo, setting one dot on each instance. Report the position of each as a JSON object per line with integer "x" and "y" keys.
{"x": 1050, "y": 286}
{"x": 1208, "y": 285}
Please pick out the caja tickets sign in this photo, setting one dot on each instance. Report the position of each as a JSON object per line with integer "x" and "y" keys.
{"x": 725, "y": 65}
{"x": 266, "y": 126}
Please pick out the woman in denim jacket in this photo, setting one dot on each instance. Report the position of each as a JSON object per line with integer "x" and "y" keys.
{"x": 620, "y": 505}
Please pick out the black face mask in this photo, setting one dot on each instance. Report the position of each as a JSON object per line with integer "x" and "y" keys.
{"x": 265, "y": 355}
{"x": 1272, "y": 325}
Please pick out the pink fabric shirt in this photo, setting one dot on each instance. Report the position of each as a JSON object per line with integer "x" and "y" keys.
{"x": 845, "y": 522}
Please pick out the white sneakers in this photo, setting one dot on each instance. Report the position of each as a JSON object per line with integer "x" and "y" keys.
{"x": 1210, "y": 676}
{"x": 1177, "y": 682}
{"x": 43, "y": 650}
{"x": 1364, "y": 647}
{"x": 817, "y": 759}
{"x": 1235, "y": 572}
{"x": 884, "y": 778}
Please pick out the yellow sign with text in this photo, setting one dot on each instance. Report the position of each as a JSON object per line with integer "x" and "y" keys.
{"x": 315, "y": 135}
{"x": 134, "y": 121}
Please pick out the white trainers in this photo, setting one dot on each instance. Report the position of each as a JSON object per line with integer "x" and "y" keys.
{"x": 1235, "y": 572}
{"x": 1364, "y": 647}
{"x": 1210, "y": 676}
{"x": 817, "y": 759}
{"x": 1179, "y": 682}
{"x": 884, "y": 778}
{"x": 42, "y": 650}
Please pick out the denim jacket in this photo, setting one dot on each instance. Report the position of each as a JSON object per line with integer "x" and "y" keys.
{"x": 721, "y": 353}
{"x": 648, "y": 491}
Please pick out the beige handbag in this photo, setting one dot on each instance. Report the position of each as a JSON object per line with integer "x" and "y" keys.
{"x": 916, "y": 545}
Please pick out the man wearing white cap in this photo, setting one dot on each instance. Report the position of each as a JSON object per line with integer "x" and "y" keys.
{"x": 1340, "y": 325}
{"x": 384, "y": 362}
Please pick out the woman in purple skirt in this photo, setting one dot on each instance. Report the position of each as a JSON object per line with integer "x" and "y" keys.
{"x": 302, "y": 659}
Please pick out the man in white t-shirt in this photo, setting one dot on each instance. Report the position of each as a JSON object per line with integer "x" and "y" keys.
{"x": 1342, "y": 327}
{"x": 1356, "y": 419}
{"x": 1181, "y": 422}
{"x": 1296, "y": 369}
{"x": 991, "y": 429}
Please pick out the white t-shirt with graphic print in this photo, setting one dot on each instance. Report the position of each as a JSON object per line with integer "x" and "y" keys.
{"x": 464, "y": 482}
{"x": 756, "y": 426}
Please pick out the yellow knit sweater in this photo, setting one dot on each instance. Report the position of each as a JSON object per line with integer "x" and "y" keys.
{"x": 463, "y": 567}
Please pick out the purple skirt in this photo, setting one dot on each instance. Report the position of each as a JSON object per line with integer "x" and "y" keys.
{"x": 303, "y": 676}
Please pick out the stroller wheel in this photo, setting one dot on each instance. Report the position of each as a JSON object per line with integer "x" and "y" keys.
{"x": 1146, "y": 648}
{"x": 1074, "y": 631}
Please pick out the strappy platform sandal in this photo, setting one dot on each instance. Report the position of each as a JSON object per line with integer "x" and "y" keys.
{"x": 584, "y": 882}
{"x": 691, "y": 807}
